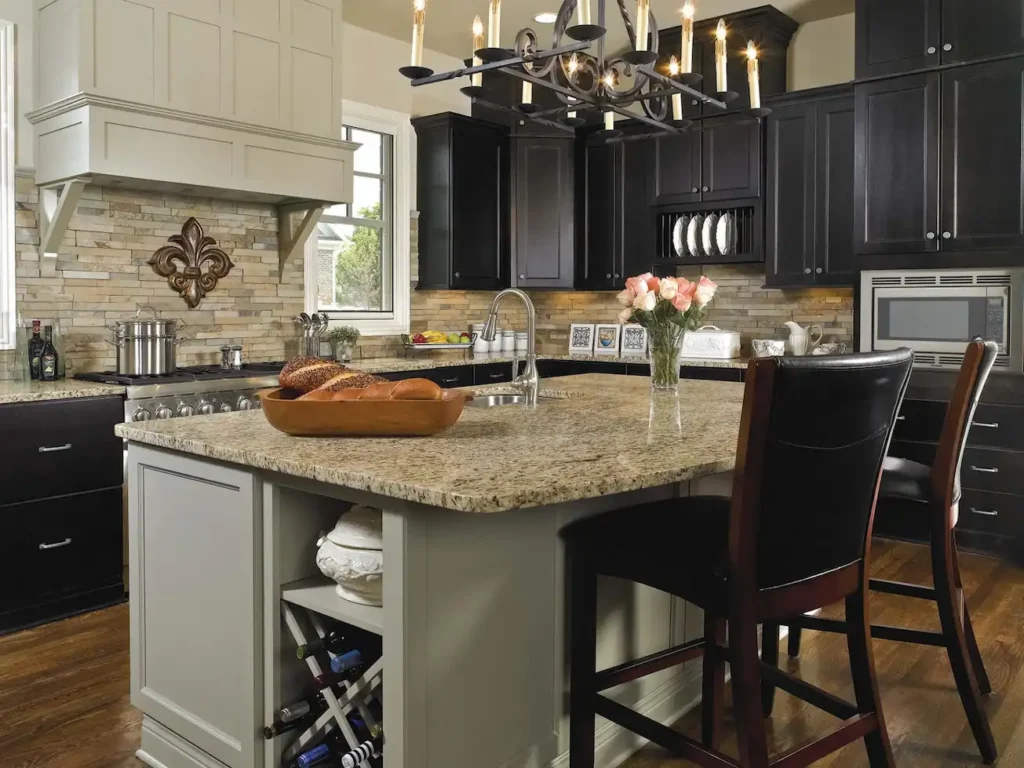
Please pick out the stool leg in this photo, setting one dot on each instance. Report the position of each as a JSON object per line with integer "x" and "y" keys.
{"x": 582, "y": 661}
{"x": 972, "y": 642}
{"x": 769, "y": 656}
{"x": 954, "y": 628}
{"x": 793, "y": 647}
{"x": 712, "y": 702}
{"x": 865, "y": 685}
{"x": 746, "y": 684}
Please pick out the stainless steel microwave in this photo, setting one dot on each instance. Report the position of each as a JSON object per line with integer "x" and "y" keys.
{"x": 936, "y": 312}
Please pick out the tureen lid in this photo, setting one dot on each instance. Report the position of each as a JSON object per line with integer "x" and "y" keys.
{"x": 360, "y": 527}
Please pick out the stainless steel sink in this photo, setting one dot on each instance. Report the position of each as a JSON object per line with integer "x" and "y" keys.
{"x": 492, "y": 401}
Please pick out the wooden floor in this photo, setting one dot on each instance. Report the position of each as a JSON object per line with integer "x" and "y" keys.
{"x": 64, "y": 687}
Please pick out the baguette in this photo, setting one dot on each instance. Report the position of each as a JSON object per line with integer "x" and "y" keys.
{"x": 379, "y": 391}
{"x": 416, "y": 389}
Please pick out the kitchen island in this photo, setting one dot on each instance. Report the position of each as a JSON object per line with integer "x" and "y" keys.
{"x": 225, "y": 512}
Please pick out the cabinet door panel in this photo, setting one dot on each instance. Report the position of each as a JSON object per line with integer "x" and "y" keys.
{"x": 678, "y": 163}
{"x": 543, "y": 213}
{"x": 596, "y": 260}
{"x": 479, "y": 205}
{"x": 833, "y": 236}
{"x": 897, "y": 165}
{"x": 636, "y": 238}
{"x": 790, "y": 199}
{"x": 730, "y": 159}
{"x": 896, "y": 37}
{"x": 982, "y": 171}
{"x": 976, "y": 28}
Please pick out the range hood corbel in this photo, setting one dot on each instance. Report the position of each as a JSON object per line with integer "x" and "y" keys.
{"x": 292, "y": 239}
{"x": 57, "y": 203}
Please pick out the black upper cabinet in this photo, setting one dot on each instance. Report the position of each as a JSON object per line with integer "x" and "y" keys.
{"x": 596, "y": 223}
{"x": 462, "y": 195}
{"x": 678, "y": 168}
{"x": 982, "y": 179}
{"x": 897, "y": 151}
{"x": 809, "y": 196}
{"x": 896, "y": 37}
{"x": 730, "y": 159}
{"x": 542, "y": 248}
{"x": 972, "y": 29}
{"x": 638, "y": 163}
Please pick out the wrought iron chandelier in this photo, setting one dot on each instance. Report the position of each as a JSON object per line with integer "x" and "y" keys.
{"x": 587, "y": 80}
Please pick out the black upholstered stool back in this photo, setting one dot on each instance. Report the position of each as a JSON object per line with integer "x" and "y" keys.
{"x": 818, "y": 432}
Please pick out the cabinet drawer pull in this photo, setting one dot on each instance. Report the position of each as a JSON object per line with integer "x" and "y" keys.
{"x": 901, "y": 418}
{"x": 56, "y": 544}
{"x": 497, "y": 375}
{"x": 986, "y": 512}
{"x": 990, "y": 470}
{"x": 993, "y": 425}
{"x": 449, "y": 381}
{"x": 54, "y": 448}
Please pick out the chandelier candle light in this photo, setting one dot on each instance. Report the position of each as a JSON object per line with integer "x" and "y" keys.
{"x": 585, "y": 80}
{"x": 667, "y": 307}
{"x": 753, "y": 78}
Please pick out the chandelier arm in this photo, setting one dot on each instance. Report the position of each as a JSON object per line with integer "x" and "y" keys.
{"x": 664, "y": 127}
{"x": 565, "y": 13}
{"x": 503, "y": 64}
{"x": 585, "y": 98}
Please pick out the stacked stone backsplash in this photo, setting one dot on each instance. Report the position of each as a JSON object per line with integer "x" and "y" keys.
{"x": 101, "y": 276}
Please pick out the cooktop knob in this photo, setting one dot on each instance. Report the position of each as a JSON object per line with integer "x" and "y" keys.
{"x": 185, "y": 410}
{"x": 225, "y": 408}
{"x": 141, "y": 414}
{"x": 163, "y": 412}
{"x": 205, "y": 408}
{"x": 244, "y": 404}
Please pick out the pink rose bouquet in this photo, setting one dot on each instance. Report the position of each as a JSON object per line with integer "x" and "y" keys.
{"x": 667, "y": 307}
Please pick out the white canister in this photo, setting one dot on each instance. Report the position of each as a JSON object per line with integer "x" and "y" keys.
{"x": 522, "y": 341}
{"x": 477, "y": 334}
{"x": 508, "y": 341}
{"x": 495, "y": 346}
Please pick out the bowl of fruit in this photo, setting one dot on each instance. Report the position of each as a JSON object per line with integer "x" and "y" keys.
{"x": 439, "y": 340}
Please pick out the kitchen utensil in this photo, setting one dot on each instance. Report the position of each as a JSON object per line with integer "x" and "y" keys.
{"x": 146, "y": 347}
{"x": 708, "y": 233}
{"x": 768, "y": 347}
{"x": 725, "y": 234}
{"x": 711, "y": 341}
{"x": 801, "y": 340}
{"x": 693, "y": 235}
{"x": 679, "y": 236}
{"x": 351, "y": 418}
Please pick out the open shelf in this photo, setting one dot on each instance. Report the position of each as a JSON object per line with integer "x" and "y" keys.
{"x": 317, "y": 594}
{"x": 747, "y": 245}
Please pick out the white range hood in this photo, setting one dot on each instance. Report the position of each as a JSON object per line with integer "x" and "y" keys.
{"x": 238, "y": 99}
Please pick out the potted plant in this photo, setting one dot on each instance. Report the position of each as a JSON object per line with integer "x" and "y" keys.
{"x": 343, "y": 340}
{"x": 667, "y": 308}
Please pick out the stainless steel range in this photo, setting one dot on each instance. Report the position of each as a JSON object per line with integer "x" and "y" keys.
{"x": 194, "y": 391}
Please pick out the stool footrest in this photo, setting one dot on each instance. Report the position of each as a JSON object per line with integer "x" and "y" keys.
{"x": 879, "y": 631}
{"x": 851, "y": 730}
{"x": 902, "y": 588}
{"x": 812, "y": 694}
{"x": 655, "y": 662}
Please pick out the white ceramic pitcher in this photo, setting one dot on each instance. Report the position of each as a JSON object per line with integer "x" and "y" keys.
{"x": 802, "y": 340}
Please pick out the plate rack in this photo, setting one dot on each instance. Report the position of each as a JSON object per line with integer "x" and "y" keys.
{"x": 353, "y": 698}
{"x": 749, "y": 237}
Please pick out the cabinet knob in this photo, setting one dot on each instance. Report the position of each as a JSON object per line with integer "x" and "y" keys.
{"x": 931, "y": 50}
{"x": 458, "y": 275}
{"x": 807, "y": 270}
{"x": 818, "y": 271}
{"x": 946, "y": 235}
{"x": 617, "y": 275}
{"x": 522, "y": 277}
{"x": 947, "y": 47}
{"x": 695, "y": 190}
{"x": 707, "y": 189}
{"x": 694, "y": 102}
{"x": 608, "y": 276}
{"x": 930, "y": 235}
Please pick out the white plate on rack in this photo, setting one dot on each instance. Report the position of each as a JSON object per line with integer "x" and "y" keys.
{"x": 708, "y": 234}
{"x": 725, "y": 236}
{"x": 694, "y": 234}
{"x": 679, "y": 235}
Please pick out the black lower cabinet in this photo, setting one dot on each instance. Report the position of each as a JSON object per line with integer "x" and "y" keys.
{"x": 59, "y": 556}
{"x": 492, "y": 373}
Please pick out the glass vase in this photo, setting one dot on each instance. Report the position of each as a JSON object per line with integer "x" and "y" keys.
{"x": 663, "y": 346}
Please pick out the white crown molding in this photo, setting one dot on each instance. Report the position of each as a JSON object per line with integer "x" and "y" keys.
{"x": 92, "y": 100}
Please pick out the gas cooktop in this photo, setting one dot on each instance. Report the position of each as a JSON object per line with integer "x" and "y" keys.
{"x": 192, "y": 373}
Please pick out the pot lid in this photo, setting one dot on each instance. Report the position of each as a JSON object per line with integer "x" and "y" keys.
{"x": 360, "y": 527}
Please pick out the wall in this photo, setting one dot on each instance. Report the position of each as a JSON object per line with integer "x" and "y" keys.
{"x": 822, "y": 53}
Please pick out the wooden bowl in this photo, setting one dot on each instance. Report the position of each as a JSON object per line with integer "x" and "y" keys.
{"x": 361, "y": 418}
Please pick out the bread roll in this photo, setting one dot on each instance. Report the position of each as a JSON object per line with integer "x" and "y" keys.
{"x": 308, "y": 373}
{"x": 345, "y": 394}
{"x": 380, "y": 391}
{"x": 416, "y": 389}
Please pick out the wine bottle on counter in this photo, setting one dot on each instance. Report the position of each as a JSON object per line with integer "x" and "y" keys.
{"x": 48, "y": 357}
{"x": 333, "y": 641}
{"x": 35, "y": 351}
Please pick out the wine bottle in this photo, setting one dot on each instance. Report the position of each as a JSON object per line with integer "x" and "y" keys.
{"x": 278, "y": 727}
{"x": 338, "y": 678}
{"x": 333, "y": 641}
{"x": 35, "y": 351}
{"x": 364, "y": 751}
{"x": 48, "y": 357}
{"x": 346, "y": 661}
{"x": 333, "y": 744}
{"x": 299, "y": 709}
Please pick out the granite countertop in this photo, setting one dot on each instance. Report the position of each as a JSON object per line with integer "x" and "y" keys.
{"x": 416, "y": 363}
{"x": 610, "y": 437}
{"x": 33, "y": 391}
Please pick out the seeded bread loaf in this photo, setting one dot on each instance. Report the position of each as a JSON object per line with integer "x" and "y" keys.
{"x": 308, "y": 373}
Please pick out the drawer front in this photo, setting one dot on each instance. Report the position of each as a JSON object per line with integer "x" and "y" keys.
{"x": 453, "y": 376}
{"x": 987, "y": 469}
{"x": 998, "y": 426}
{"x": 59, "y": 546}
{"x": 492, "y": 373}
{"x": 60, "y": 447}
{"x": 988, "y": 512}
{"x": 920, "y": 420}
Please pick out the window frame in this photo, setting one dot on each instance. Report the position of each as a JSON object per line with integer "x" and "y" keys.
{"x": 8, "y": 128}
{"x": 396, "y": 125}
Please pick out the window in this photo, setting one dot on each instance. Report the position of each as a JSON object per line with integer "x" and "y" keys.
{"x": 357, "y": 261}
{"x": 8, "y": 118}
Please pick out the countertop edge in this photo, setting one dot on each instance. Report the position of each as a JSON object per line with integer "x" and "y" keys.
{"x": 69, "y": 389}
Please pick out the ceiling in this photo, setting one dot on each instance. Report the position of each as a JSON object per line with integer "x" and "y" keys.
{"x": 449, "y": 21}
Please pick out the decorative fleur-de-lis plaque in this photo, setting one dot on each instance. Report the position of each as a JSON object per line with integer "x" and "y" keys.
{"x": 192, "y": 250}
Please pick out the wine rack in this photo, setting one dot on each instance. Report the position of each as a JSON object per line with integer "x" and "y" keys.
{"x": 355, "y": 697}
{"x": 749, "y": 233}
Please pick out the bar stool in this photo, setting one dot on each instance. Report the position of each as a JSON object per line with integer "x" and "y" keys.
{"x": 929, "y": 497}
{"x": 793, "y": 537}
